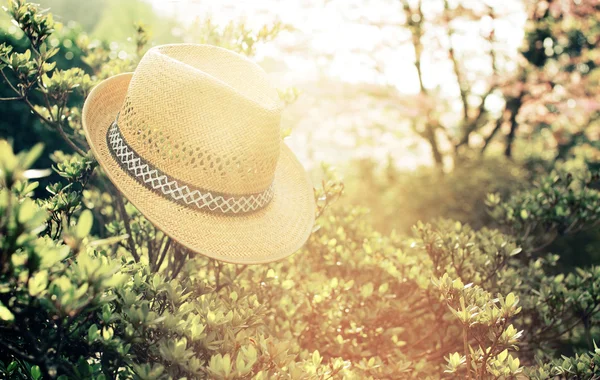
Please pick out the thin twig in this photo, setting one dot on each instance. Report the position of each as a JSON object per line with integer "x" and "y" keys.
{"x": 48, "y": 106}
{"x": 491, "y": 350}
{"x": 553, "y": 236}
{"x": 57, "y": 126}
{"x": 50, "y": 122}
{"x": 183, "y": 252}
{"x": 163, "y": 254}
{"x": 10, "y": 83}
{"x": 239, "y": 270}
{"x": 62, "y": 134}
{"x": 157, "y": 244}
{"x": 489, "y": 138}
{"x": 126, "y": 221}
{"x": 467, "y": 352}
{"x": 15, "y": 352}
{"x": 217, "y": 274}
{"x": 150, "y": 248}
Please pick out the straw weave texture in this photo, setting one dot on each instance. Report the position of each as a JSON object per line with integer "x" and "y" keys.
{"x": 208, "y": 117}
{"x": 204, "y": 115}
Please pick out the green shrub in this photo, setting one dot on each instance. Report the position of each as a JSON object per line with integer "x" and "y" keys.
{"x": 399, "y": 198}
{"x": 72, "y": 307}
{"x": 353, "y": 303}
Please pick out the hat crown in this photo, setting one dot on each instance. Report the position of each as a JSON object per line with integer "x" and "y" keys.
{"x": 204, "y": 115}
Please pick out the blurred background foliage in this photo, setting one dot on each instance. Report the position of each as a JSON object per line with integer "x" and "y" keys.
{"x": 454, "y": 149}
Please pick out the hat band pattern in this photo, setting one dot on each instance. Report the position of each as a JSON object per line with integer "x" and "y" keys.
{"x": 183, "y": 193}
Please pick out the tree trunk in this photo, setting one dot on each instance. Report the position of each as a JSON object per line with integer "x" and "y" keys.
{"x": 435, "y": 150}
{"x": 513, "y": 106}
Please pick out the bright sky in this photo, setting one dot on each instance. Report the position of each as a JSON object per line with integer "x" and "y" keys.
{"x": 340, "y": 45}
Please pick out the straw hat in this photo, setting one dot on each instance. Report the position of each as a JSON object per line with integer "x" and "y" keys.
{"x": 192, "y": 139}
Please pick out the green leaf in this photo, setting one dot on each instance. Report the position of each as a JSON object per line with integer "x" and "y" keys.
{"x": 383, "y": 288}
{"x": 30, "y": 187}
{"x": 316, "y": 358}
{"x": 524, "y": 214}
{"x": 92, "y": 333}
{"x": 503, "y": 355}
{"x": 107, "y": 332}
{"x": 366, "y": 290}
{"x": 241, "y": 366}
{"x": 36, "y": 372}
{"x": 5, "y": 314}
{"x": 227, "y": 365}
{"x": 38, "y": 283}
{"x": 559, "y": 278}
{"x": 12, "y": 366}
{"x": 30, "y": 157}
{"x": 27, "y": 210}
{"x": 84, "y": 224}
{"x": 287, "y": 284}
{"x": 510, "y": 299}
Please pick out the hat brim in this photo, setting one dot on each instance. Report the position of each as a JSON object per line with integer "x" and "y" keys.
{"x": 270, "y": 234}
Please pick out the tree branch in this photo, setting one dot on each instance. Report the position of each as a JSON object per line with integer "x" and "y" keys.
{"x": 488, "y": 139}
{"x": 457, "y": 71}
{"x": 415, "y": 25}
{"x": 472, "y": 126}
{"x": 10, "y": 83}
{"x": 514, "y": 106}
{"x": 54, "y": 124}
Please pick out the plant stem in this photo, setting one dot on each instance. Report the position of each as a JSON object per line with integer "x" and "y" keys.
{"x": 217, "y": 275}
{"x": 588, "y": 333}
{"x": 467, "y": 352}
{"x": 126, "y": 221}
{"x": 52, "y": 123}
{"x": 57, "y": 126}
{"x": 10, "y": 83}
{"x": 489, "y": 353}
{"x": 162, "y": 256}
{"x": 179, "y": 262}
{"x": 489, "y": 138}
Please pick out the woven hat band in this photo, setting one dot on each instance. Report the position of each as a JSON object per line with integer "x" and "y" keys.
{"x": 176, "y": 190}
